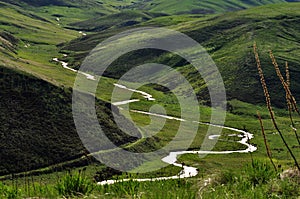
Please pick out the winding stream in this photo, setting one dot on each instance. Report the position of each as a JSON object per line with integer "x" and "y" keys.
{"x": 65, "y": 65}
{"x": 187, "y": 171}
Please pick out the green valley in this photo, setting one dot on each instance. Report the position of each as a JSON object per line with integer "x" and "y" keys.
{"x": 44, "y": 43}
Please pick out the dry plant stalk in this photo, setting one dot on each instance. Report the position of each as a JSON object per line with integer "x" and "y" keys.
{"x": 288, "y": 82}
{"x": 268, "y": 101}
{"x": 287, "y": 75}
{"x": 290, "y": 107}
{"x": 290, "y": 97}
{"x": 265, "y": 140}
{"x": 263, "y": 82}
{"x": 291, "y": 102}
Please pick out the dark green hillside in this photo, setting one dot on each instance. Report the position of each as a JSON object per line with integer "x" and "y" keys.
{"x": 118, "y": 20}
{"x": 37, "y": 127}
{"x": 229, "y": 39}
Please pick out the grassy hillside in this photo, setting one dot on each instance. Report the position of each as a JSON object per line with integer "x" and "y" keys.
{"x": 64, "y": 12}
{"x": 28, "y": 42}
{"x": 68, "y": 11}
{"x": 38, "y": 128}
{"x": 228, "y": 38}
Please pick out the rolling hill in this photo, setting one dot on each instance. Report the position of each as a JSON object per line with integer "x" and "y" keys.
{"x": 229, "y": 39}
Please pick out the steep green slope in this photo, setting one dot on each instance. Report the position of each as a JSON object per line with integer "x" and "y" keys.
{"x": 229, "y": 39}
{"x": 37, "y": 127}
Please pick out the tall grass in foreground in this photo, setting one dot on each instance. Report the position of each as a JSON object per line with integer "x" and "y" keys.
{"x": 166, "y": 189}
{"x": 289, "y": 97}
{"x": 257, "y": 180}
{"x": 74, "y": 184}
{"x": 9, "y": 192}
{"x": 35, "y": 190}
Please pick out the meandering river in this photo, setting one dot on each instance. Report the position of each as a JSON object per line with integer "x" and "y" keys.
{"x": 187, "y": 171}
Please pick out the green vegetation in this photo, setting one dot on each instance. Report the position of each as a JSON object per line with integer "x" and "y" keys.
{"x": 118, "y": 20}
{"x": 74, "y": 184}
{"x": 41, "y": 153}
{"x": 39, "y": 129}
{"x": 228, "y": 38}
{"x": 256, "y": 181}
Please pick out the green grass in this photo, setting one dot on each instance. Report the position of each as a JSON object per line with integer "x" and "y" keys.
{"x": 228, "y": 38}
{"x": 74, "y": 184}
{"x": 254, "y": 180}
{"x": 129, "y": 189}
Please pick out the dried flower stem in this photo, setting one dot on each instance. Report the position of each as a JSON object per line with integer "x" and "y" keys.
{"x": 265, "y": 141}
{"x": 290, "y": 108}
{"x": 287, "y": 74}
{"x": 268, "y": 102}
{"x": 288, "y": 82}
{"x": 290, "y": 97}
